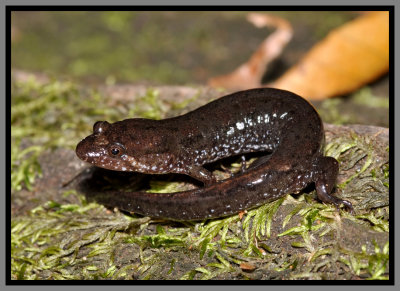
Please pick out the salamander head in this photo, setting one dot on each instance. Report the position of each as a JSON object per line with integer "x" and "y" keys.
{"x": 132, "y": 145}
{"x": 102, "y": 150}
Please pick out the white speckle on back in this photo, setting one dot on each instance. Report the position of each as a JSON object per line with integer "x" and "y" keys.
{"x": 239, "y": 125}
{"x": 230, "y": 131}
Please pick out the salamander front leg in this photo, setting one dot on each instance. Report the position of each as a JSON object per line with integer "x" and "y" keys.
{"x": 324, "y": 184}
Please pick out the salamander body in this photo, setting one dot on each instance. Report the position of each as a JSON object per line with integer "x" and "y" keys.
{"x": 280, "y": 123}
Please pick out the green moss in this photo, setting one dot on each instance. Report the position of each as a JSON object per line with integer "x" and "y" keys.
{"x": 331, "y": 112}
{"x": 322, "y": 221}
{"x": 261, "y": 219}
{"x": 52, "y": 235}
{"x": 352, "y": 150}
{"x": 148, "y": 106}
{"x": 373, "y": 266}
{"x": 365, "y": 97}
{"x": 24, "y": 166}
{"x": 358, "y": 154}
{"x": 311, "y": 214}
{"x": 361, "y": 107}
{"x": 211, "y": 270}
{"x": 157, "y": 241}
{"x": 378, "y": 222}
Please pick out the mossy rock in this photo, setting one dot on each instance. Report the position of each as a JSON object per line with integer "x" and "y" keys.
{"x": 57, "y": 234}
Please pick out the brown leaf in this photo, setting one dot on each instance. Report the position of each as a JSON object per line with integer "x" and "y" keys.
{"x": 349, "y": 57}
{"x": 249, "y": 74}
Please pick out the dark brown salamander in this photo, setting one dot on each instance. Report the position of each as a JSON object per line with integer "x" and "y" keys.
{"x": 269, "y": 120}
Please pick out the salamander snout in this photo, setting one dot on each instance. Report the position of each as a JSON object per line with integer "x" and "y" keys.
{"x": 81, "y": 150}
{"x": 95, "y": 149}
{"x": 87, "y": 149}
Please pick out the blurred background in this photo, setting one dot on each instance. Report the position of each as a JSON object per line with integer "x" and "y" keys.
{"x": 163, "y": 47}
{"x": 158, "y": 47}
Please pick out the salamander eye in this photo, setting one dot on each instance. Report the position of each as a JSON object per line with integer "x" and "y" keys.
{"x": 116, "y": 149}
{"x": 100, "y": 126}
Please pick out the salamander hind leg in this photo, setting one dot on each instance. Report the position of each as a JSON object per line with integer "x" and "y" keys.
{"x": 325, "y": 180}
{"x": 201, "y": 174}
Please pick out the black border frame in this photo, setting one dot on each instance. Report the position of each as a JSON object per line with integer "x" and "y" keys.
{"x": 10, "y": 8}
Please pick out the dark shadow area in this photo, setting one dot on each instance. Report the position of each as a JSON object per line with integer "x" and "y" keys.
{"x": 100, "y": 185}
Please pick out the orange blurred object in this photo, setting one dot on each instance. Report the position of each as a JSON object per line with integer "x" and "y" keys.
{"x": 349, "y": 57}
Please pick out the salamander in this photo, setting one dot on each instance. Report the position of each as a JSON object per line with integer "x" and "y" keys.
{"x": 278, "y": 123}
